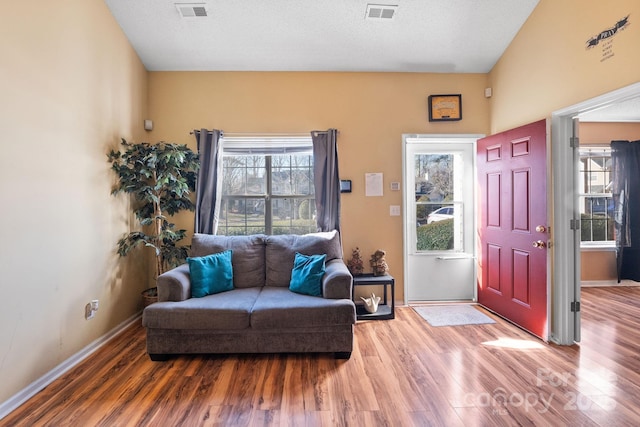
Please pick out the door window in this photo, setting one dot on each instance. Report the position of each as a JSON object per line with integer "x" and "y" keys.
{"x": 438, "y": 202}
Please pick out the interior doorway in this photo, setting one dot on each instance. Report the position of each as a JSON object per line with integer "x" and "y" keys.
{"x": 565, "y": 317}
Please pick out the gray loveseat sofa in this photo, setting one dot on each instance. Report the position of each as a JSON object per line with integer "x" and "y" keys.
{"x": 260, "y": 314}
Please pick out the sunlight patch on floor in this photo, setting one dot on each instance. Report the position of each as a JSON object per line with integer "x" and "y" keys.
{"x": 514, "y": 344}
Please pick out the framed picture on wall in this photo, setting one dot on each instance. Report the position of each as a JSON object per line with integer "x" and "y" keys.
{"x": 445, "y": 108}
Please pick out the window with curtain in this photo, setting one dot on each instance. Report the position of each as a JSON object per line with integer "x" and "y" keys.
{"x": 595, "y": 198}
{"x": 625, "y": 156}
{"x": 267, "y": 186}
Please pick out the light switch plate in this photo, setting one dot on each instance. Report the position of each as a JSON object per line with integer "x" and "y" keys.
{"x": 395, "y": 186}
{"x": 394, "y": 210}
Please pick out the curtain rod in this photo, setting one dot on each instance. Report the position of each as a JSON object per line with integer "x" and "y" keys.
{"x": 261, "y": 133}
{"x": 244, "y": 134}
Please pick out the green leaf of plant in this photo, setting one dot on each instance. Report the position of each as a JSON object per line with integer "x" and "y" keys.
{"x": 157, "y": 176}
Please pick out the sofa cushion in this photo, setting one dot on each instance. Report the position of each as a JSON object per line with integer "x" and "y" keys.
{"x": 210, "y": 274}
{"x": 279, "y": 308}
{"x": 224, "y": 311}
{"x": 281, "y": 249}
{"x": 306, "y": 276}
{"x": 248, "y": 258}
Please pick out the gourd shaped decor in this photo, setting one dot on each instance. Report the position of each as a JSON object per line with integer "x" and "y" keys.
{"x": 355, "y": 264}
{"x": 379, "y": 263}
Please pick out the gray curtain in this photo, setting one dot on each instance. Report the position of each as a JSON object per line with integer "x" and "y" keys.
{"x": 625, "y": 170}
{"x": 209, "y": 182}
{"x": 326, "y": 179}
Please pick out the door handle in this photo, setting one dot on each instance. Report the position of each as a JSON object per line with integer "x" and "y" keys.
{"x": 541, "y": 229}
{"x": 539, "y": 244}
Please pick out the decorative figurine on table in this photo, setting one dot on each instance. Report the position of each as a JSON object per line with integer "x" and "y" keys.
{"x": 371, "y": 304}
{"x": 355, "y": 264}
{"x": 378, "y": 263}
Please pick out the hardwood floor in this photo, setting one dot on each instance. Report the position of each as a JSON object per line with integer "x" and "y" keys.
{"x": 403, "y": 372}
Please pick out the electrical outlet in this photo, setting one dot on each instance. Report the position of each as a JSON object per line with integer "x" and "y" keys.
{"x": 89, "y": 312}
{"x": 90, "y": 309}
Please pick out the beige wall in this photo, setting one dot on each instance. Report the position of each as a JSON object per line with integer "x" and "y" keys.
{"x": 598, "y": 266}
{"x": 71, "y": 87}
{"x": 370, "y": 110}
{"x": 594, "y": 133}
{"x": 601, "y": 265}
{"x": 547, "y": 66}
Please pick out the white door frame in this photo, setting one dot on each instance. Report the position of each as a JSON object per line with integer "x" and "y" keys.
{"x": 444, "y": 138}
{"x": 565, "y": 325}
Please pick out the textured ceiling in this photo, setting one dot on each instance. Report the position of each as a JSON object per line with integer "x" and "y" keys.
{"x": 441, "y": 36}
{"x": 448, "y": 36}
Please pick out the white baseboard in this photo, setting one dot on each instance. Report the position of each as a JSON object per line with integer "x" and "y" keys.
{"x": 19, "y": 398}
{"x": 600, "y": 283}
{"x": 597, "y": 283}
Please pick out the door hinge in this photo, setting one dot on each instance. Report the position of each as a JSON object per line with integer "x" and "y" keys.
{"x": 575, "y": 306}
{"x": 574, "y": 224}
{"x": 574, "y": 142}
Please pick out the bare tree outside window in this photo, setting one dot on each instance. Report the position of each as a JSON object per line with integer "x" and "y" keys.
{"x": 435, "y": 202}
{"x": 271, "y": 194}
{"x": 596, "y": 200}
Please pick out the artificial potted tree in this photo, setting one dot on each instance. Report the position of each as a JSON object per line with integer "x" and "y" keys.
{"x": 160, "y": 177}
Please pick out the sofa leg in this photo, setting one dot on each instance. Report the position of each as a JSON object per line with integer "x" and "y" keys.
{"x": 158, "y": 357}
{"x": 342, "y": 355}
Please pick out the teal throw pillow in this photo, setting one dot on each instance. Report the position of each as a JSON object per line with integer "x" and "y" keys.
{"x": 306, "y": 276}
{"x": 211, "y": 274}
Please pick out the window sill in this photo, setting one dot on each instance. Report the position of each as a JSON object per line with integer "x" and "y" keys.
{"x": 598, "y": 247}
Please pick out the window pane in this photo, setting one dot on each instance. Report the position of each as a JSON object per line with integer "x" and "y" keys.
{"x": 292, "y": 175}
{"x": 436, "y": 232}
{"x": 242, "y": 216}
{"x": 244, "y": 175}
{"x": 294, "y": 216}
{"x": 596, "y": 218}
{"x": 596, "y": 204}
{"x": 434, "y": 176}
{"x": 438, "y": 209}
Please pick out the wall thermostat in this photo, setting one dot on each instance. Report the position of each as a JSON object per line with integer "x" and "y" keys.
{"x": 345, "y": 186}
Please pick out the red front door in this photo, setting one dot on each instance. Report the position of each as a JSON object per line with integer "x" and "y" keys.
{"x": 513, "y": 227}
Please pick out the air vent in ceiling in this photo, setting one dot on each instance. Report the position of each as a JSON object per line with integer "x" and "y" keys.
{"x": 192, "y": 10}
{"x": 381, "y": 12}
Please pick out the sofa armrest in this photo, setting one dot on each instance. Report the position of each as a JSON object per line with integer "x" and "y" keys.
{"x": 175, "y": 284}
{"x": 337, "y": 281}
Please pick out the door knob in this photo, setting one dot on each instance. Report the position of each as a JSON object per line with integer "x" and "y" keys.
{"x": 539, "y": 244}
{"x": 541, "y": 229}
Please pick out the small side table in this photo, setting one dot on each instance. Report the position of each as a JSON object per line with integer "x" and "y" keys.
{"x": 385, "y": 310}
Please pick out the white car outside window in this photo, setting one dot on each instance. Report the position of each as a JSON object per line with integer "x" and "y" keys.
{"x": 440, "y": 214}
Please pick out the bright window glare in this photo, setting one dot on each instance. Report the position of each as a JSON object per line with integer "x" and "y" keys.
{"x": 515, "y": 344}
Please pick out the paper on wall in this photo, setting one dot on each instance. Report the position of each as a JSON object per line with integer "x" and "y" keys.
{"x": 373, "y": 184}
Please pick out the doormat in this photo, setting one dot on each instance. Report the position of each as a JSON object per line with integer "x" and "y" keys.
{"x": 452, "y": 315}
